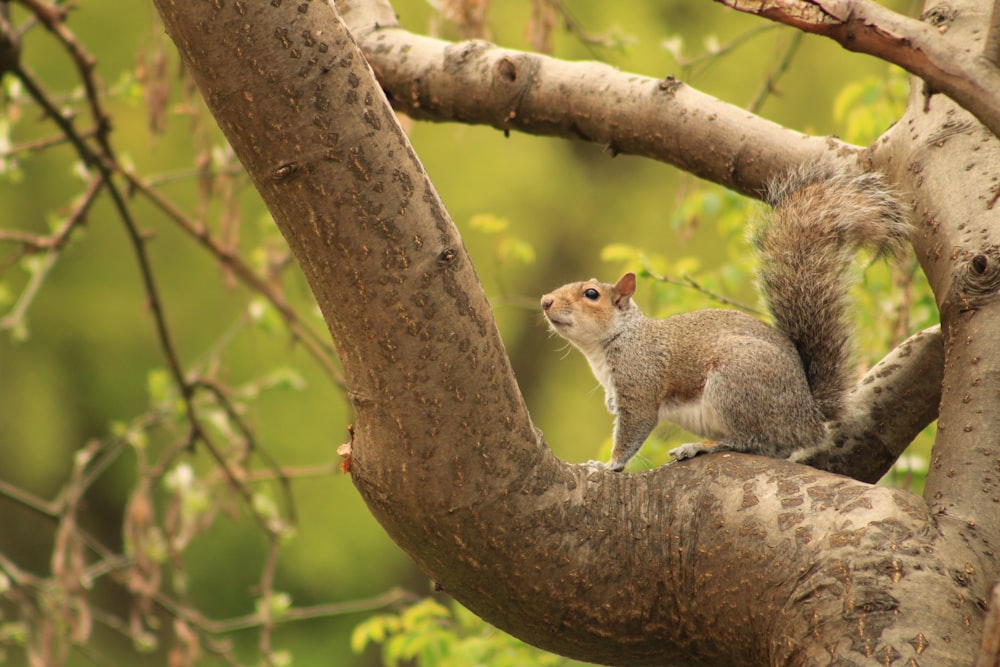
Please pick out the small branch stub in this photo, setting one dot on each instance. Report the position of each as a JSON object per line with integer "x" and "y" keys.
{"x": 447, "y": 256}
{"x": 345, "y": 450}
{"x": 506, "y": 70}
{"x": 981, "y": 279}
{"x": 285, "y": 171}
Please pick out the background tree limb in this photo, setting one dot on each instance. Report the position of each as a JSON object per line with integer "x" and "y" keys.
{"x": 886, "y": 410}
{"x": 665, "y": 119}
{"x": 925, "y": 49}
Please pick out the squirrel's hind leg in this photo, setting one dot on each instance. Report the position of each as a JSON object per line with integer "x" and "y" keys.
{"x": 689, "y": 450}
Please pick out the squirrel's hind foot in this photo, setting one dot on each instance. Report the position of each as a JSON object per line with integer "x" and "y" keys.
{"x": 690, "y": 450}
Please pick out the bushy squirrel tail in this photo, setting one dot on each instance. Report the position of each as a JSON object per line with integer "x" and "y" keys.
{"x": 822, "y": 216}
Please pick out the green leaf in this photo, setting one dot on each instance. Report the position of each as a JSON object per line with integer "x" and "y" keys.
{"x": 674, "y": 45}
{"x": 374, "y": 630}
{"x": 488, "y": 224}
{"x": 10, "y": 168}
{"x": 137, "y": 438}
{"x": 266, "y": 508}
{"x": 286, "y": 377}
{"x": 265, "y": 315}
{"x": 14, "y": 633}
{"x": 686, "y": 266}
{"x": 394, "y": 649}
{"x": 20, "y": 332}
{"x": 429, "y": 634}
{"x": 423, "y": 611}
{"x": 511, "y": 248}
{"x": 277, "y": 605}
{"x": 145, "y": 642}
{"x": 620, "y": 252}
{"x": 864, "y": 109}
{"x": 159, "y": 385}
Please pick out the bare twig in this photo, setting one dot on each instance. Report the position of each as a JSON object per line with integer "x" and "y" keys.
{"x": 318, "y": 346}
{"x": 768, "y": 87}
{"x": 690, "y": 282}
{"x": 266, "y": 607}
{"x": 59, "y": 609}
{"x": 221, "y": 397}
{"x": 39, "y": 145}
{"x": 53, "y": 16}
{"x": 710, "y": 56}
{"x": 256, "y": 620}
{"x": 54, "y": 243}
{"x": 31, "y": 501}
{"x": 104, "y": 163}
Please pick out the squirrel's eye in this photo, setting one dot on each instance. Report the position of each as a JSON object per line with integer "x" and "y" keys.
{"x": 591, "y": 294}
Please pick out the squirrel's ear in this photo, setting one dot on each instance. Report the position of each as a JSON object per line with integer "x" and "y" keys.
{"x": 625, "y": 287}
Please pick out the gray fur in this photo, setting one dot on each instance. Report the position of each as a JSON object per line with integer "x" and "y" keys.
{"x": 726, "y": 376}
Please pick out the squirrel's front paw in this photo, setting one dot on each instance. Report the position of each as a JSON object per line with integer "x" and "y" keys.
{"x": 691, "y": 449}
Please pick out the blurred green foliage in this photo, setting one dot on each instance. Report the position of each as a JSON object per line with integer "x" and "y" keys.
{"x": 429, "y": 634}
{"x": 82, "y": 371}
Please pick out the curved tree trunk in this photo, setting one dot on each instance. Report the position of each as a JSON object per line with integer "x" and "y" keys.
{"x": 724, "y": 559}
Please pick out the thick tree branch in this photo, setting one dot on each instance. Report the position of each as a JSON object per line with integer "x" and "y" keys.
{"x": 989, "y": 651}
{"x": 886, "y": 410}
{"x": 478, "y": 83}
{"x": 929, "y": 52}
{"x": 991, "y": 49}
{"x": 948, "y": 162}
{"x": 429, "y": 84}
{"x": 618, "y": 569}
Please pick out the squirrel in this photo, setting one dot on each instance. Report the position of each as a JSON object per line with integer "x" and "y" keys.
{"x": 727, "y": 376}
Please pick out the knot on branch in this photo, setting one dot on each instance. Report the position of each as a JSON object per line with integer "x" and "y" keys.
{"x": 284, "y": 171}
{"x": 940, "y": 15}
{"x": 506, "y": 70}
{"x": 514, "y": 74}
{"x": 669, "y": 85}
{"x": 447, "y": 256}
{"x": 981, "y": 278}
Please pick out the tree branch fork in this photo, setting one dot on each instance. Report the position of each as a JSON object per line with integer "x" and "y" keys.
{"x": 619, "y": 569}
{"x": 889, "y": 406}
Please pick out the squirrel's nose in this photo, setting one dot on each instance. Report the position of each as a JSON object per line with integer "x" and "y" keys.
{"x": 547, "y": 302}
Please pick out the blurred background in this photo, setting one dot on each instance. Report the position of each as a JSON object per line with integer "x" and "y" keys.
{"x": 95, "y": 477}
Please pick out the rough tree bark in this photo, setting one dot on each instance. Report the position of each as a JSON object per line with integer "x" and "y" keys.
{"x": 725, "y": 559}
